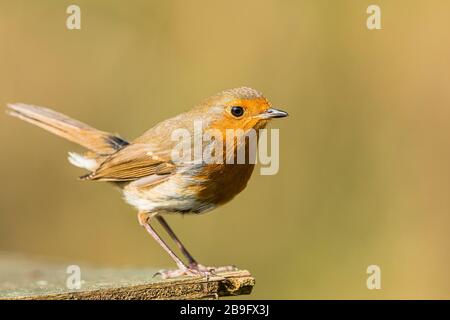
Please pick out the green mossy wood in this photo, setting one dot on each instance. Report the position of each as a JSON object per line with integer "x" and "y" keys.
{"x": 22, "y": 278}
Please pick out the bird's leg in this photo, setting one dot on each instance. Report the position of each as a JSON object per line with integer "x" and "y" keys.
{"x": 193, "y": 264}
{"x": 189, "y": 257}
{"x": 194, "y": 269}
{"x": 144, "y": 220}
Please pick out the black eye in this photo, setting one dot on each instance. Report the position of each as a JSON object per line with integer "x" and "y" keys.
{"x": 237, "y": 111}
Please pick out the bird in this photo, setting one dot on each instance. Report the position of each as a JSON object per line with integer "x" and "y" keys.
{"x": 149, "y": 177}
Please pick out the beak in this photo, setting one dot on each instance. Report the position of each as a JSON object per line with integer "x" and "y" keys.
{"x": 274, "y": 113}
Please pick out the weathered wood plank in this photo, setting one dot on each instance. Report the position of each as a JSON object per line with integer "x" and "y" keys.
{"x": 22, "y": 278}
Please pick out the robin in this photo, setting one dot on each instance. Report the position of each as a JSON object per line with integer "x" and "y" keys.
{"x": 144, "y": 168}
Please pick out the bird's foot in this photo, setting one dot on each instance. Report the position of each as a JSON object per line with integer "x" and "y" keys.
{"x": 194, "y": 270}
{"x": 212, "y": 270}
{"x": 182, "y": 272}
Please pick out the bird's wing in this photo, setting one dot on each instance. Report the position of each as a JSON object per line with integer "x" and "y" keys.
{"x": 149, "y": 154}
{"x": 133, "y": 162}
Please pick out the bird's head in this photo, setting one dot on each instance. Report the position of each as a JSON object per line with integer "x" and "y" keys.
{"x": 240, "y": 108}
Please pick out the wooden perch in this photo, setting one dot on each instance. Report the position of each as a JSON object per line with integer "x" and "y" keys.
{"x": 22, "y": 278}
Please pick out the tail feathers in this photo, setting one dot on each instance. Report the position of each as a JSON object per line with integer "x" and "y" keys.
{"x": 95, "y": 140}
{"x": 81, "y": 161}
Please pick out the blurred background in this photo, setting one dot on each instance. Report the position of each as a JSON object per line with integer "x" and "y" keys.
{"x": 365, "y": 157}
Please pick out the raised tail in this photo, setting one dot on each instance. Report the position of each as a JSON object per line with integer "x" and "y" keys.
{"x": 100, "y": 142}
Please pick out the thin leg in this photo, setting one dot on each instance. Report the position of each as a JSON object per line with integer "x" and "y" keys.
{"x": 194, "y": 269}
{"x": 189, "y": 257}
{"x": 144, "y": 220}
{"x": 193, "y": 265}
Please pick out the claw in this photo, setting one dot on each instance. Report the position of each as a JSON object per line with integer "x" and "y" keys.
{"x": 169, "y": 274}
{"x": 194, "y": 270}
{"x": 213, "y": 270}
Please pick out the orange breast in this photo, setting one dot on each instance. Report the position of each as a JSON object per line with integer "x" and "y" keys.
{"x": 222, "y": 182}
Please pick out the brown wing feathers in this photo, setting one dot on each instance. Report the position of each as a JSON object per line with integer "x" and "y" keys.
{"x": 131, "y": 163}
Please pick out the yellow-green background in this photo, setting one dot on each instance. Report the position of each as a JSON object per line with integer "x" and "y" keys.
{"x": 364, "y": 166}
